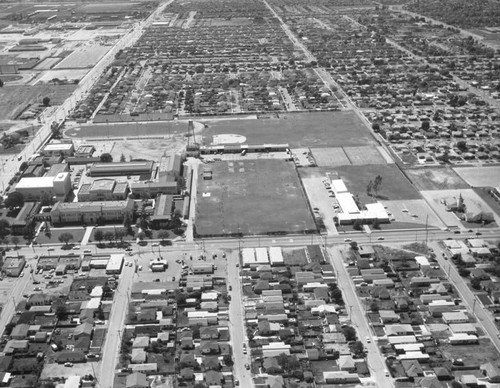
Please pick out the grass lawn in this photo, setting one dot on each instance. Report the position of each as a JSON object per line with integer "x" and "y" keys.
{"x": 77, "y": 233}
{"x": 252, "y": 197}
{"x": 395, "y": 186}
{"x": 320, "y": 129}
{"x": 439, "y": 178}
{"x": 479, "y": 354}
{"x": 483, "y": 194}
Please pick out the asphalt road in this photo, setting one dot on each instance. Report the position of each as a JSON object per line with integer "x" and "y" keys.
{"x": 358, "y": 320}
{"x": 237, "y": 327}
{"x": 116, "y": 323}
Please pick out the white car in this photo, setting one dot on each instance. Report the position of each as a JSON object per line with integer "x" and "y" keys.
{"x": 155, "y": 244}
{"x": 348, "y": 239}
{"x": 76, "y": 247}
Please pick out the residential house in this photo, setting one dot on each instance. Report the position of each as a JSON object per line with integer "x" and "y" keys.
{"x": 137, "y": 380}
{"x": 491, "y": 371}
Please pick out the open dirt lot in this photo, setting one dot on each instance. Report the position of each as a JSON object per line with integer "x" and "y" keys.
{"x": 330, "y": 157}
{"x": 245, "y": 196}
{"x": 83, "y": 57}
{"x": 62, "y": 75}
{"x": 298, "y": 130}
{"x": 394, "y": 185}
{"x": 436, "y": 179}
{"x": 14, "y": 99}
{"x": 480, "y": 176}
{"x": 59, "y": 370}
{"x": 128, "y": 129}
{"x": 473, "y": 202}
{"x": 479, "y": 354}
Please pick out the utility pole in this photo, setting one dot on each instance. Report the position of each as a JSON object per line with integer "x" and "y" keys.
{"x": 426, "y": 229}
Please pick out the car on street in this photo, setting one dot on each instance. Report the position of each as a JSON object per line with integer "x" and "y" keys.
{"x": 68, "y": 364}
{"x": 247, "y": 366}
{"x": 348, "y": 239}
{"x": 236, "y": 382}
{"x": 155, "y": 244}
{"x": 381, "y": 238}
{"x": 76, "y": 247}
{"x": 368, "y": 340}
{"x": 230, "y": 288}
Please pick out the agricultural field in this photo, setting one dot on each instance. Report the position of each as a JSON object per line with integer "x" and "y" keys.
{"x": 243, "y": 197}
{"x": 298, "y": 130}
{"x": 395, "y": 186}
{"x": 480, "y": 176}
{"x": 436, "y": 178}
{"x": 359, "y": 156}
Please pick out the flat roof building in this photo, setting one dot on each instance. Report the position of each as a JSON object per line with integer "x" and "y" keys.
{"x": 66, "y": 149}
{"x": 121, "y": 168}
{"x": 13, "y": 266}
{"x": 92, "y": 212}
{"x": 34, "y": 188}
{"x": 103, "y": 190}
{"x": 115, "y": 264}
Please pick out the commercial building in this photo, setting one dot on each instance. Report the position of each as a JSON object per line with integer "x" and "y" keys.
{"x": 51, "y": 149}
{"x": 85, "y": 151}
{"x": 103, "y": 190}
{"x": 91, "y": 212}
{"x": 349, "y": 211}
{"x": 115, "y": 264}
{"x": 203, "y": 268}
{"x": 13, "y": 266}
{"x": 121, "y": 168}
{"x": 56, "y": 187}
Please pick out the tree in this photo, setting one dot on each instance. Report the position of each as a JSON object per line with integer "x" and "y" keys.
{"x": 462, "y": 145}
{"x": 122, "y": 158}
{"x": 1, "y": 83}
{"x": 369, "y": 188}
{"x": 66, "y": 237}
{"x": 120, "y": 234}
{"x": 357, "y": 348}
{"x": 354, "y": 245}
{"x": 426, "y": 125}
{"x": 61, "y": 312}
{"x": 376, "y": 184}
{"x": 475, "y": 283}
{"x": 4, "y": 227}
{"x": 141, "y": 235}
{"x": 15, "y": 240}
{"x": 374, "y": 306}
{"x": 358, "y": 225}
{"x": 109, "y": 236}
{"x": 15, "y": 199}
{"x": 106, "y": 157}
{"x": 227, "y": 360}
{"x": 349, "y": 333}
{"x": 163, "y": 235}
{"x": 46, "y": 199}
{"x": 455, "y": 384}
{"x": 337, "y": 296}
{"x": 98, "y": 235}
{"x": 46, "y": 101}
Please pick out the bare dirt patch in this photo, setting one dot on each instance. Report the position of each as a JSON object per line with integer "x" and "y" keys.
{"x": 436, "y": 179}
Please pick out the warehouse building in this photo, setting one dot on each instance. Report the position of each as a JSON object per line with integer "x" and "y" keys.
{"x": 103, "y": 190}
{"x": 91, "y": 212}
{"x": 33, "y": 189}
{"x": 121, "y": 168}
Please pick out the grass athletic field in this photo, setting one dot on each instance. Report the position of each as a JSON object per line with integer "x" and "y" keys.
{"x": 320, "y": 129}
{"x": 251, "y": 197}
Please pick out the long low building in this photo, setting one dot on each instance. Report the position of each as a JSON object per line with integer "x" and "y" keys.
{"x": 121, "y": 168}
{"x": 91, "y": 212}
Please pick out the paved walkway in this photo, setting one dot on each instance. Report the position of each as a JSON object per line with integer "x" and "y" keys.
{"x": 86, "y": 236}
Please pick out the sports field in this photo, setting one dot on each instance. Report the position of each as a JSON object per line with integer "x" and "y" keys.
{"x": 332, "y": 129}
{"x": 394, "y": 186}
{"x": 251, "y": 197}
{"x": 128, "y": 129}
{"x": 439, "y": 178}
